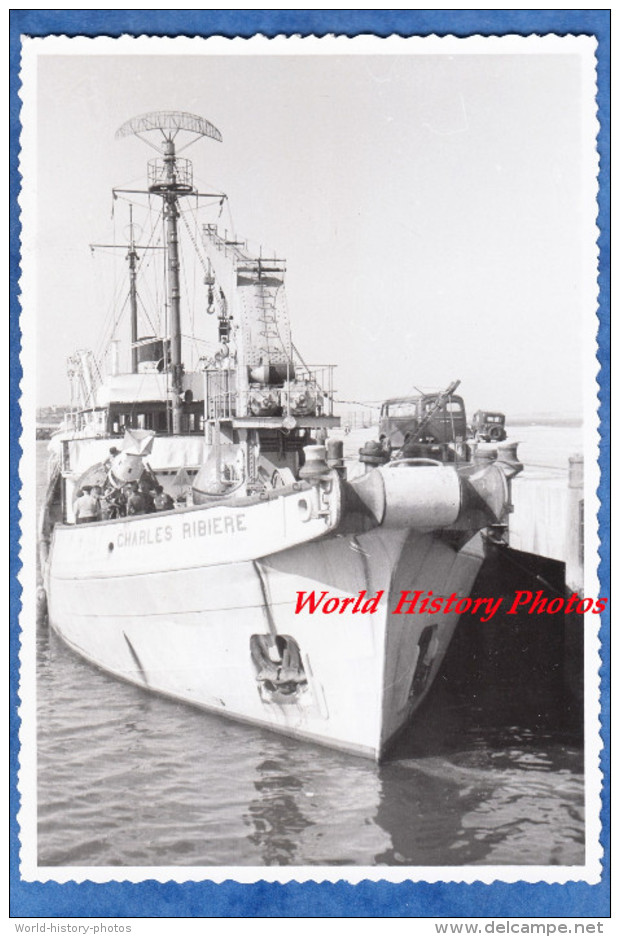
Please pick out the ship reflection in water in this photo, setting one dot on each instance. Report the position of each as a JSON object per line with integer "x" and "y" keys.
{"x": 512, "y": 799}
{"x": 515, "y": 799}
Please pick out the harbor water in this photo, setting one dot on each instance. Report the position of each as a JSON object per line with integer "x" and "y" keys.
{"x": 489, "y": 772}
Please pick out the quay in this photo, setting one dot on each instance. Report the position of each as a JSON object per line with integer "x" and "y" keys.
{"x": 547, "y": 518}
{"x": 547, "y": 528}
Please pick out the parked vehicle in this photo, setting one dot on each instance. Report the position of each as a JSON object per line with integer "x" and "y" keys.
{"x": 426, "y": 426}
{"x": 488, "y": 426}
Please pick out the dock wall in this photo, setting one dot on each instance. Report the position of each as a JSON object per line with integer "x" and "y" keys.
{"x": 547, "y": 519}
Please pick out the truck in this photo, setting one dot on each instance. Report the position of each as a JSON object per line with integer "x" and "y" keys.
{"x": 426, "y": 426}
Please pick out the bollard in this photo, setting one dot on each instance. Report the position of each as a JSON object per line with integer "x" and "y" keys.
{"x": 484, "y": 455}
{"x": 335, "y": 455}
{"x": 508, "y": 458}
{"x": 373, "y": 454}
{"x": 315, "y": 466}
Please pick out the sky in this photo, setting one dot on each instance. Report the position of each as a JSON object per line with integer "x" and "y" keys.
{"x": 431, "y": 208}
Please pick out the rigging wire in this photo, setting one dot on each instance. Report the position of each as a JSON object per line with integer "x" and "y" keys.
{"x": 144, "y": 263}
{"x": 112, "y": 318}
{"x": 147, "y": 259}
{"x": 117, "y": 308}
{"x": 135, "y": 180}
{"x": 194, "y": 241}
{"x": 189, "y": 304}
{"x": 158, "y": 298}
{"x": 223, "y": 203}
{"x": 363, "y": 403}
{"x": 120, "y": 315}
{"x": 111, "y": 305}
{"x": 111, "y": 322}
{"x": 203, "y": 259}
{"x": 114, "y": 285}
{"x": 103, "y": 341}
{"x": 195, "y": 279}
{"x": 146, "y": 315}
{"x": 196, "y": 338}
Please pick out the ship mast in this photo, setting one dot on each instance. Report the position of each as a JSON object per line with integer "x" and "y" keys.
{"x": 132, "y": 257}
{"x": 170, "y": 177}
{"x": 171, "y": 216}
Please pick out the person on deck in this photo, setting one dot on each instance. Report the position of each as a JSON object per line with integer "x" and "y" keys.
{"x": 117, "y": 501}
{"x": 135, "y": 501}
{"x": 111, "y": 456}
{"x": 147, "y": 496}
{"x": 86, "y": 507}
{"x": 162, "y": 500}
{"x": 107, "y": 507}
{"x": 97, "y": 493}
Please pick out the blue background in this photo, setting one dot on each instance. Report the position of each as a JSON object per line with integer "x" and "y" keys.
{"x": 263, "y": 899}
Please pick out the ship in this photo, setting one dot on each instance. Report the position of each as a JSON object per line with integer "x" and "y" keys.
{"x": 264, "y": 588}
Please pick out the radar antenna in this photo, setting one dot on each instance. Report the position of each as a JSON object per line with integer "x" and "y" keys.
{"x": 171, "y": 177}
{"x": 171, "y": 121}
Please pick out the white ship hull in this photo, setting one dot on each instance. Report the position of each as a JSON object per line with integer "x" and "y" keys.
{"x": 173, "y": 609}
